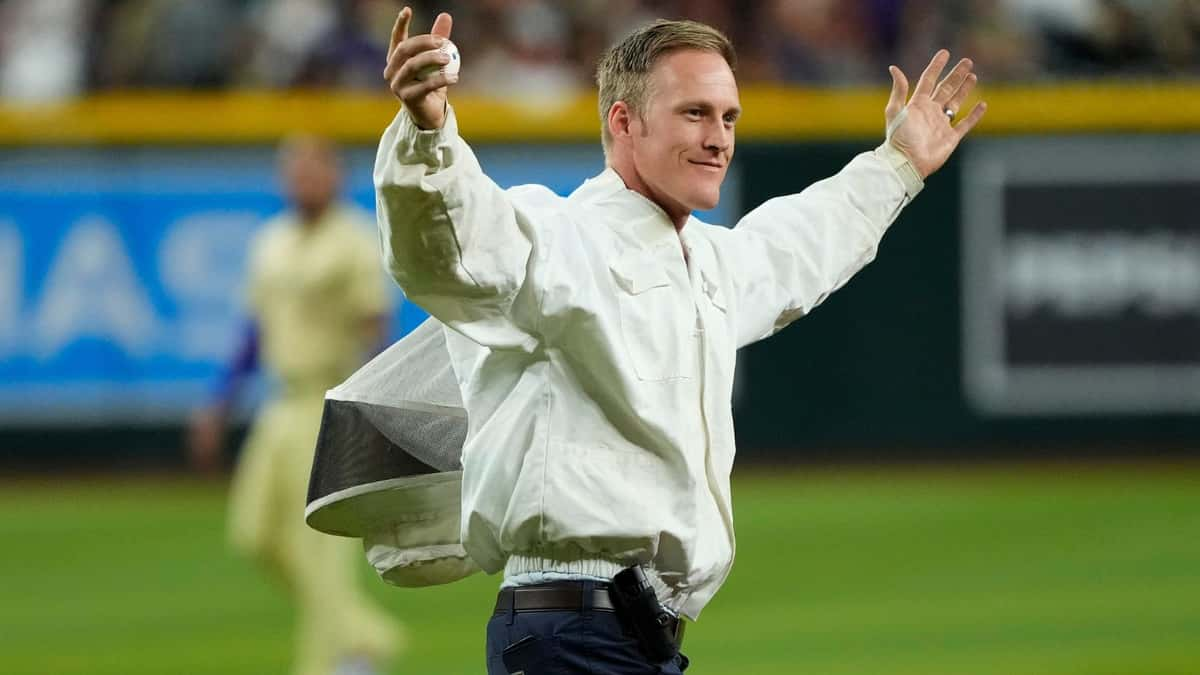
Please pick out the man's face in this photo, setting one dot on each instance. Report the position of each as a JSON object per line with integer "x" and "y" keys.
{"x": 311, "y": 176}
{"x": 683, "y": 141}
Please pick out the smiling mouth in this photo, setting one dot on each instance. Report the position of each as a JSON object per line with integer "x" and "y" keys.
{"x": 711, "y": 165}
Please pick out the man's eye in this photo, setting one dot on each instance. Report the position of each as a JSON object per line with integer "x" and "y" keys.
{"x": 693, "y": 112}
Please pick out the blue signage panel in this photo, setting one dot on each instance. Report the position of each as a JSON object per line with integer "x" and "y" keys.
{"x": 121, "y": 269}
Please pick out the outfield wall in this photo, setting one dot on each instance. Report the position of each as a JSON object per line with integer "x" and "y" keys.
{"x": 1015, "y": 303}
{"x": 1043, "y": 290}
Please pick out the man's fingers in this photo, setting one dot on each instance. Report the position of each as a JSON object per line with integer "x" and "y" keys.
{"x": 948, "y": 87}
{"x": 412, "y": 67}
{"x": 932, "y": 71}
{"x": 401, "y": 48}
{"x": 409, "y": 49}
{"x": 899, "y": 93}
{"x": 956, "y": 101}
{"x": 964, "y": 127}
{"x": 400, "y": 29}
{"x": 415, "y": 45}
{"x": 416, "y": 89}
{"x": 442, "y": 25}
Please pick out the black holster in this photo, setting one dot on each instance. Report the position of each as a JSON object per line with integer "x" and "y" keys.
{"x": 637, "y": 604}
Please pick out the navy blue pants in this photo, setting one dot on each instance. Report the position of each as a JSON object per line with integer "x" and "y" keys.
{"x": 568, "y": 642}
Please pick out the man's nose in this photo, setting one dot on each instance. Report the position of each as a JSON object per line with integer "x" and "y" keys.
{"x": 719, "y": 138}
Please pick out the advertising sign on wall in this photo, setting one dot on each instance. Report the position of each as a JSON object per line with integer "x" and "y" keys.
{"x": 1081, "y": 273}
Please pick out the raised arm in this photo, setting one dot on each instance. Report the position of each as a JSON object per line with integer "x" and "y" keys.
{"x": 790, "y": 253}
{"x": 452, "y": 238}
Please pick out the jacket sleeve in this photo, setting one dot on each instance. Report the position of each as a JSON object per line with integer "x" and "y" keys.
{"x": 453, "y": 239}
{"x": 790, "y": 253}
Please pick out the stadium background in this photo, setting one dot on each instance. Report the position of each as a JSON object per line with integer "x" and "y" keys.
{"x": 980, "y": 456}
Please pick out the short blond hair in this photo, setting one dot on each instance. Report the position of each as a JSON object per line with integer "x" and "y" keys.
{"x": 623, "y": 73}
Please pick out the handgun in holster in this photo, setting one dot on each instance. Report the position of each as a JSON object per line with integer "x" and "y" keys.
{"x": 658, "y": 630}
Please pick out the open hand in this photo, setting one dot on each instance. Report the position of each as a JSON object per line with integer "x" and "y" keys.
{"x": 923, "y": 129}
{"x": 424, "y": 99}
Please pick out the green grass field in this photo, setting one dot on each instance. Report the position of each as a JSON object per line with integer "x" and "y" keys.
{"x": 1063, "y": 569}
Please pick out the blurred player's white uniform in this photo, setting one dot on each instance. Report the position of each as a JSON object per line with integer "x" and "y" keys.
{"x": 311, "y": 289}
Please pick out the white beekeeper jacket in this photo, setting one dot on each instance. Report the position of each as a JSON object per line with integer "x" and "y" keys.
{"x": 594, "y": 346}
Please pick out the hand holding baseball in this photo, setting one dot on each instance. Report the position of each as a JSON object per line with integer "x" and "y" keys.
{"x": 924, "y": 129}
{"x": 420, "y": 68}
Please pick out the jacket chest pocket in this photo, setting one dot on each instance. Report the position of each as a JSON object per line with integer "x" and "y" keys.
{"x": 655, "y": 320}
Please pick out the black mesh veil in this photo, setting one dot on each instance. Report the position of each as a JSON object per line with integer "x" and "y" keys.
{"x": 387, "y": 463}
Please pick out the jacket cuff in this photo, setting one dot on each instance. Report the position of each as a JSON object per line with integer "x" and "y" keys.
{"x": 902, "y": 166}
{"x": 426, "y": 141}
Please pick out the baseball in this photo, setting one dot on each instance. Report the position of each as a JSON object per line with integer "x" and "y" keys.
{"x": 450, "y": 68}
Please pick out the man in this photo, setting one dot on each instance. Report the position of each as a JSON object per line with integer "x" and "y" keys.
{"x": 594, "y": 337}
{"x": 319, "y": 307}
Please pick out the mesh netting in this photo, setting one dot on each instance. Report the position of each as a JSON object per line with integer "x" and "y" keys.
{"x": 399, "y": 416}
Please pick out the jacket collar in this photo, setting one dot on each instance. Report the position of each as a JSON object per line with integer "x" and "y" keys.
{"x": 636, "y": 214}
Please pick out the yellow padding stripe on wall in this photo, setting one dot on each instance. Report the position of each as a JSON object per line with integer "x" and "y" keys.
{"x": 771, "y": 113}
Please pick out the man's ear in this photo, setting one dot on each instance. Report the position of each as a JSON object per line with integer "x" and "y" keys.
{"x": 619, "y": 120}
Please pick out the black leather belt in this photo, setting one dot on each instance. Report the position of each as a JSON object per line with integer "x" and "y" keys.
{"x": 551, "y": 598}
{"x": 564, "y": 597}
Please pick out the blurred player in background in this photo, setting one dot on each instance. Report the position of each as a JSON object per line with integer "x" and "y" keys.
{"x": 319, "y": 306}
